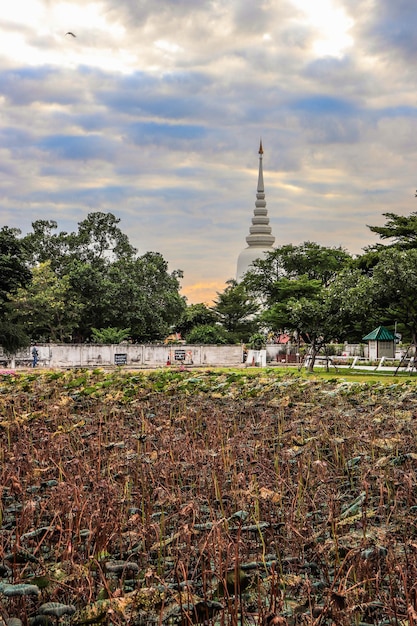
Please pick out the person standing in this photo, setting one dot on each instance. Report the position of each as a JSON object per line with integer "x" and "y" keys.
{"x": 35, "y": 356}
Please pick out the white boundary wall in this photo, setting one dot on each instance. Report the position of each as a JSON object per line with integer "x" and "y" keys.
{"x": 135, "y": 355}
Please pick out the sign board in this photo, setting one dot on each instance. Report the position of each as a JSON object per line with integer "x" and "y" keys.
{"x": 179, "y": 355}
{"x": 120, "y": 359}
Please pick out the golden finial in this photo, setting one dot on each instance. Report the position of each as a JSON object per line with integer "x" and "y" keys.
{"x": 261, "y": 150}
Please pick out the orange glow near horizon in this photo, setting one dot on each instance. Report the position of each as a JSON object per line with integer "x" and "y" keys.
{"x": 202, "y": 292}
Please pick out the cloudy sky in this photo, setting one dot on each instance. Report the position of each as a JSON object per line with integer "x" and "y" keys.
{"x": 155, "y": 109}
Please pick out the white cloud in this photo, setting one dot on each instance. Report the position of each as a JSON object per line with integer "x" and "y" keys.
{"x": 154, "y": 112}
{"x": 331, "y": 26}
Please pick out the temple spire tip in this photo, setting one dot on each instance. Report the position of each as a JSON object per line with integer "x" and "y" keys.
{"x": 261, "y": 150}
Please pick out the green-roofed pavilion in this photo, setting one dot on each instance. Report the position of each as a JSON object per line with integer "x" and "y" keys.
{"x": 381, "y": 342}
{"x": 380, "y": 334}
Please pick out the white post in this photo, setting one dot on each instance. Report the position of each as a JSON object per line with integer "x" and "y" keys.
{"x": 380, "y": 364}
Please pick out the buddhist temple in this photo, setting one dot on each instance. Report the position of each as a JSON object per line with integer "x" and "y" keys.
{"x": 260, "y": 240}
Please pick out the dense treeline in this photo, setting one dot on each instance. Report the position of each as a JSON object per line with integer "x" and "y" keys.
{"x": 61, "y": 286}
{"x": 91, "y": 285}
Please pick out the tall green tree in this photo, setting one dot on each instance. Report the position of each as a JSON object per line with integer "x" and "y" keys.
{"x": 319, "y": 314}
{"x": 400, "y": 229}
{"x": 318, "y": 320}
{"x": 311, "y": 319}
{"x": 394, "y": 283}
{"x": 146, "y": 296}
{"x": 208, "y": 334}
{"x": 140, "y": 294}
{"x": 14, "y": 270}
{"x": 114, "y": 287}
{"x": 94, "y": 294}
{"x": 195, "y": 315}
{"x": 313, "y": 261}
{"x": 48, "y": 307}
{"x": 292, "y": 274}
{"x": 98, "y": 241}
{"x": 14, "y": 274}
{"x": 275, "y": 317}
{"x": 45, "y": 245}
{"x": 289, "y": 262}
{"x": 236, "y": 311}
{"x": 357, "y": 307}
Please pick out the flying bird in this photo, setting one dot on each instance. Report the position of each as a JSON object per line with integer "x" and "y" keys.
{"x": 70, "y": 33}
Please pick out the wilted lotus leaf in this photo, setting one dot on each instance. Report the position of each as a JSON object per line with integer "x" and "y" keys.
{"x": 57, "y": 609}
{"x": 13, "y": 621}
{"x": 43, "y": 530}
{"x": 147, "y": 600}
{"x": 185, "y": 605}
{"x": 4, "y": 571}
{"x": 197, "y": 611}
{"x": 20, "y": 557}
{"x": 57, "y": 573}
{"x": 387, "y": 443}
{"x": 41, "y": 620}
{"x": 235, "y": 582}
{"x": 374, "y": 551}
{"x": 354, "y": 507}
{"x": 255, "y": 527}
{"x": 20, "y": 590}
{"x": 354, "y": 461}
{"x": 49, "y": 483}
{"x": 119, "y": 567}
{"x": 114, "y": 444}
{"x": 92, "y": 613}
{"x": 269, "y": 494}
{"x": 242, "y": 515}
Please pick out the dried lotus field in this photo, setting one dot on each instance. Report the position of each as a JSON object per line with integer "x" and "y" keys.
{"x": 207, "y": 497}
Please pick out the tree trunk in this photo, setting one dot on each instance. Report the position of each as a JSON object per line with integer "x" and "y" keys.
{"x": 313, "y": 354}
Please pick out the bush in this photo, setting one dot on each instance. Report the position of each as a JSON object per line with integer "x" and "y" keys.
{"x": 110, "y": 335}
{"x": 257, "y": 341}
{"x": 207, "y": 334}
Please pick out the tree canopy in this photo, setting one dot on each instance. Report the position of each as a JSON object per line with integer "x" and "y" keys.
{"x": 14, "y": 275}
{"x": 402, "y": 229}
{"x": 14, "y": 270}
{"x": 236, "y": 308}
{"x": 199, "y": 314}
{"x": 48, "y": 307}
{"x": 395, "y": 287}
{"x": 92, "y": 284}
{"x": 90, "y": 279}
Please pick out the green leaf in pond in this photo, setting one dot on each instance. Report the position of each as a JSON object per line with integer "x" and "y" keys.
{"x": 42, "y": 582}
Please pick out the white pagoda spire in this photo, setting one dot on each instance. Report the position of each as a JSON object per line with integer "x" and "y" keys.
{"x": 260, "y": 240}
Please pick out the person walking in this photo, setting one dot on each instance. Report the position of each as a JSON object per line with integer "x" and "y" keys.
{"x": 35, "y": 356}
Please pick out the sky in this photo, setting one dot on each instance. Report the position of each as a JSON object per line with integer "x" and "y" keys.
{"x": 154, "y": 111}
